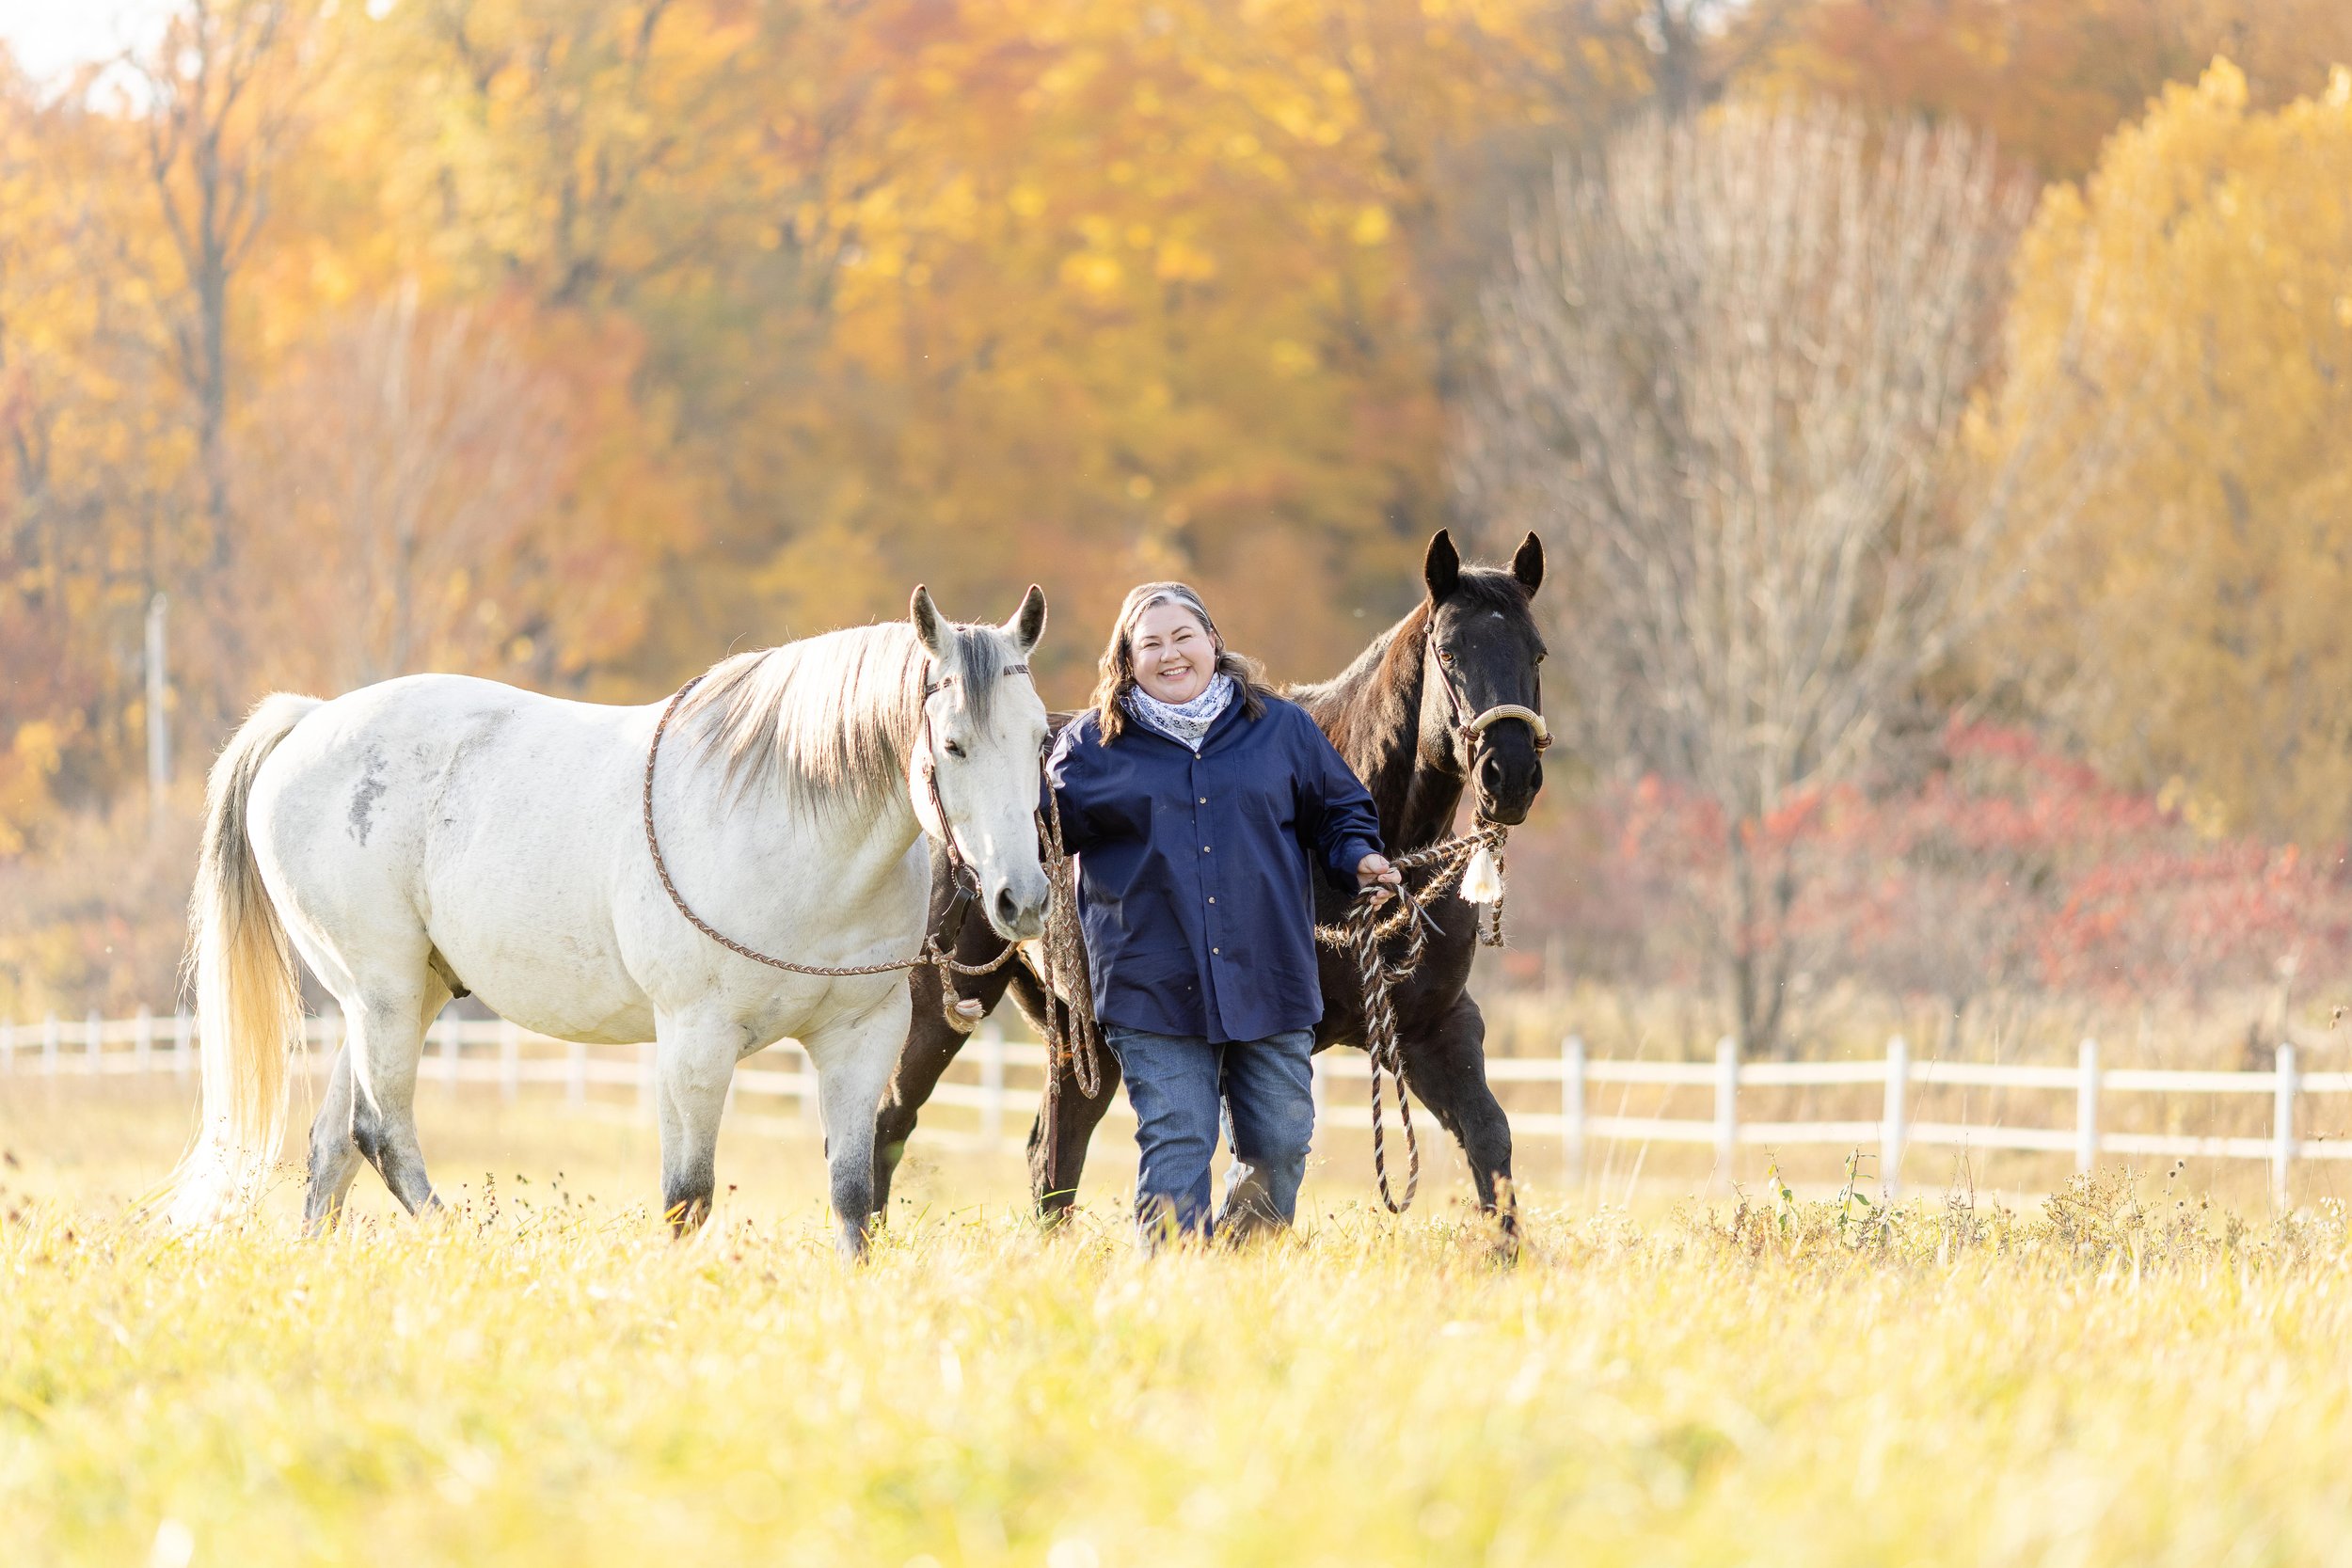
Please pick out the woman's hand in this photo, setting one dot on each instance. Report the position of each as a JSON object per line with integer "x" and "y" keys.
{"x": 1374, "y": 875}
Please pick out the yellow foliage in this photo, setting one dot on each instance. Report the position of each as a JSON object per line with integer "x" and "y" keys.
{"x": 2049, "y": 80}
{"x": 25, "y": 768}
{"x": 2192, "y": 624}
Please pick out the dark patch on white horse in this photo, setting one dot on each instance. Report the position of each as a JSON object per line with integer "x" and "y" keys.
{"x": 363, "y": 800}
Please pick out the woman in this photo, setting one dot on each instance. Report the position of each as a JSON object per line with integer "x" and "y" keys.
{"x": 1197, "y": 804}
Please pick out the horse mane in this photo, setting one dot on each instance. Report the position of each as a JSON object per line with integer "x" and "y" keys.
{"x": 1368, "y": 708}
{"x": 1372, "y": 709}
{"x": 831, "y": 718}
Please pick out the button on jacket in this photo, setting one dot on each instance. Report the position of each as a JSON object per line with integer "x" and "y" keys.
{"x": 1192, "y": 869}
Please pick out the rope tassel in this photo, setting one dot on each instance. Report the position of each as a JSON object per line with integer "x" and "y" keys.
{"x": 1483, "y": 883}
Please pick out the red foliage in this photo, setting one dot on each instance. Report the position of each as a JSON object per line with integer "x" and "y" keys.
{"x": 2000, "y": 866}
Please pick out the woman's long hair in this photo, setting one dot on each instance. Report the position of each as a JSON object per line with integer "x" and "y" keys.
{"x": 1117, "y": 675}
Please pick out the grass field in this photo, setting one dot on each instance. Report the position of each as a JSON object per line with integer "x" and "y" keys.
{"x": 543, "y": 1378}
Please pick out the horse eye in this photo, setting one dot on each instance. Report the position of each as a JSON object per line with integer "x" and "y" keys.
{"x": 954, "y": 750}
{"x": 1445, "y": 656}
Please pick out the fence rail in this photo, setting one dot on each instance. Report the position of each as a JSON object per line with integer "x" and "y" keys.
{"x": 490, "y": 1050}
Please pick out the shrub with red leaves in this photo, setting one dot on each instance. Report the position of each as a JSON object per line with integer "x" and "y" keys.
{"x": 1998, "y": 867}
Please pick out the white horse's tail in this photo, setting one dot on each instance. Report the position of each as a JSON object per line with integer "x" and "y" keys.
{"x": 248, "y": 996}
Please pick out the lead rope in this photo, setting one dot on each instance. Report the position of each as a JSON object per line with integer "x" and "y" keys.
{"x": 1361, "y": 933}
{"x": 1074, "y": 1037}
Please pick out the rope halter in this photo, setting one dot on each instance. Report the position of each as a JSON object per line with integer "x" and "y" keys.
{"x": 1501, "y": 711}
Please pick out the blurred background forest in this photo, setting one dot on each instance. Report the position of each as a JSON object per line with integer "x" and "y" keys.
{"x": 1936, "y": 410}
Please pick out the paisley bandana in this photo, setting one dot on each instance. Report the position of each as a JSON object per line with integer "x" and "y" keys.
{"x": 1186, "y": 723}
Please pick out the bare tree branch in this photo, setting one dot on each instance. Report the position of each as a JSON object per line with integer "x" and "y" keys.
{"x": 1731, "y": 363}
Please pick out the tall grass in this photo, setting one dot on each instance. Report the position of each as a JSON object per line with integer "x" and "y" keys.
{"x": 2108, "y": 1380}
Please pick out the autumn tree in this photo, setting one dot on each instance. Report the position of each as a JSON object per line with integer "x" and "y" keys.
{"x": 398, "y": 473}
{"x": 93, "y": 451}
{"x": 2191, "y": 633}
{"x": 221, "y": 87}
{"x": 1731, "y": 365}
{"x": 2048, "y": 81}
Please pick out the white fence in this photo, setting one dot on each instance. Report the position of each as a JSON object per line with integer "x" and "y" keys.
{"x": 1898, "y": 1075}
{"x": 489, "y": 1050}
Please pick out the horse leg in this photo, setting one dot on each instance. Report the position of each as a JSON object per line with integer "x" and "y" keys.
{"x": 853, "y": 1057}
{"x": 693, "y": 1062}
{"x": 335, "y": 1158}
{"x": 1447, "y": 1071}
{"x": 387, "y": 1017}
{"x": 1058, "y": 1154}
{"x": 931, "y": 1044}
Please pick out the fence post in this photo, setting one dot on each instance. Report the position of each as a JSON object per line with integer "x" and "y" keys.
{"x": 445, "y": 1026}
{"x": 511, "y": 1060}
{"x": 143, "y": 1044}
{"x": 2087, "y": 1109}
{"x": 51, "y": 1037}
{"x": 182, "y": 1042}
{"x": 1572, "y": 1105}
{"x": 993, "y": 1082}
{"x": 93, "y": 1043}
{"x": 1726, "y": 1108}
{"x": 1895, "y": 1131}
{"x": 576, "y": 1073}
{"x": 1319, "y": 1083}
{"x": 645, "y": 1076}
{"x": 2282, "y": 1130}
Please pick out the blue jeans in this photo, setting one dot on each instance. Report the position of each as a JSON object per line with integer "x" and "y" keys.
{"x": 1177, "y": 1084}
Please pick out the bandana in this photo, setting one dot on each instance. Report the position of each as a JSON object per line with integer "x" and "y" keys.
{"x": 1186, "y": 723}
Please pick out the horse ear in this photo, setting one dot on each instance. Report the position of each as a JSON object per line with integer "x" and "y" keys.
{"x": 1442, "y": 569}
{"x": 1028, "y": 622}
{"x": 928, "y": 624}
{"x": 1528, "y": 566}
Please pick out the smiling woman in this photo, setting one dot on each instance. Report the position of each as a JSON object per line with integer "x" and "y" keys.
{"x": 1167, "y": 661}
{"x": 1198, "y": 802}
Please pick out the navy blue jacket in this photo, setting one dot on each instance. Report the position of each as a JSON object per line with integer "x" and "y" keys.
{"x": 1192, "y": 870}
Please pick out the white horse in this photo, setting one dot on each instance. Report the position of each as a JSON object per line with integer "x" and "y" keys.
{"x": 437, "y": 834}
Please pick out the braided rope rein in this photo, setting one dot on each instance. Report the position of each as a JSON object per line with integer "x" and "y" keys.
{"x": 1074, "y": 1036}
{"x": 930, "y": 955}
{"x": 1362, "y": 934}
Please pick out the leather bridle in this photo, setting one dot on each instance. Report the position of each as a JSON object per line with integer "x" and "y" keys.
{"x": 962, "y": 878}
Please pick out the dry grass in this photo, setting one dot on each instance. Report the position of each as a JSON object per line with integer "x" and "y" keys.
{"x": 543, "y": 1378}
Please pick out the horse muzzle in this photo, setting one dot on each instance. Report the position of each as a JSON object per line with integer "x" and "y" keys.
{"x": 1508, "y": 776}
{"x": 1016, "y": 907}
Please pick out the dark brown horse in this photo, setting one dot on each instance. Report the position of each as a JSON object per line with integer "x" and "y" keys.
{"x": 1401, "y": 717}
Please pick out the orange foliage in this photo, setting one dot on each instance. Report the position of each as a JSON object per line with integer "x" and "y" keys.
{"x": 576, "y": 341}
{"x": 2052, "y": 80}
